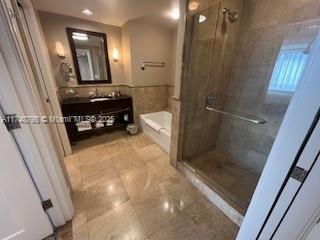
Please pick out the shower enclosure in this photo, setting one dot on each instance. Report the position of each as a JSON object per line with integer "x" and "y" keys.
{"x": 244, "y": 61}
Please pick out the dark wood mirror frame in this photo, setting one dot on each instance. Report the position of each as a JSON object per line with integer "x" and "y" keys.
{"x": 74, "y": 55}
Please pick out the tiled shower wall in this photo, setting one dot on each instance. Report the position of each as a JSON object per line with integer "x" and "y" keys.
{"x": 244, "y": 57}
{"x": 250, "y": 74}
{"x": 146, "y": 99}
{"x": 248, "y": 93}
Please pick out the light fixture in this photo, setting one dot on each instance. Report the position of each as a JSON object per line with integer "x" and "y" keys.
{"x": 65, "y": 68}
{"x": 115, "y": 54}
{"x": 80, "y": 36}
{"x": 60, "y": 50}
{"x": 175, "y": 14}
{"x": 87, "y": 12}
{"x": 202, "y": 18}
{"x": 193, "y": 5}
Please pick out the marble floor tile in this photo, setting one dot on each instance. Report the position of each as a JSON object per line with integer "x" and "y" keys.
{"x": 139, "y": 141}
{"x": 89, "y": 168}
{"x": 97, "y": 174}
{"x": 116, "y": 148}
{"x": 98, "y": 141}
{"x": 79, "y": 199}
{"x": 155, "y": 209}
{"x": 99, "y": 198}
{"x": 118, "y": 224}
{"x": 180, "y": 228}
{"x": 162, "y": 168}
{"x": 123, "y": 187}
{"x": 104, "y": 196}
{"x": 180, "y": 188}
{"x": 113, "y": 137}
{"x": 211, "y": 222}
{"x": 92, "y": 155}
{"x": 151, "y": 152}
{"x": 160, "y": 204}
{"x": 80, "y": 227}
{"x": 75, "y": 179}
{"x": 138, "y": 179}
{"x": 235, "y": 181}
{"x": 65, "y": 232}
{"x": 72, "y": 163}
{"x": 73, "y": 168}
{"x": 127, "y": 160}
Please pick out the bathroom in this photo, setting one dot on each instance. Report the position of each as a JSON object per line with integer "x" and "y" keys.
{"x": 128, "y": 47}
{"x": 110, "y": 167}
{"x": 179, "y": 115}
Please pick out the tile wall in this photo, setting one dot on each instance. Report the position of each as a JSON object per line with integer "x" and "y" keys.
{"x": 146, "y": 99}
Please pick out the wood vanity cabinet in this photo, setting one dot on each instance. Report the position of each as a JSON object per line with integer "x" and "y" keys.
{"x": 86, "y": 117}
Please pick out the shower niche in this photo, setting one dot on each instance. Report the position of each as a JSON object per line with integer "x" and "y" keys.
{"x": 242, "y": 69}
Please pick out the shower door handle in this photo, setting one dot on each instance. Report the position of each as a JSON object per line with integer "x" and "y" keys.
{"x": 254, "y": 120}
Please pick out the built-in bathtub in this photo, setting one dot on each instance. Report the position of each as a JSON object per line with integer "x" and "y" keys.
{"x": 157, "y": 126}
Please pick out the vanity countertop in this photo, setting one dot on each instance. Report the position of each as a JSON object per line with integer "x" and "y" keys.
{"x": 77, "y": 100}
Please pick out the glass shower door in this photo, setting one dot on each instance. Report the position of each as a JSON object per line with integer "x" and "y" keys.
{"x": 202, "y": 44}
{"x": 239, "y": 89}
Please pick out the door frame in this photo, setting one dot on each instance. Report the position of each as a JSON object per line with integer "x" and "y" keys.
{"x": 49, "y": 102}
{"x": 35, "y": 141}
{"x": 46, "y": 76}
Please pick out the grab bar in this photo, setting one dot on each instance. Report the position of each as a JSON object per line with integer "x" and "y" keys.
{"x": 245, "y": 118}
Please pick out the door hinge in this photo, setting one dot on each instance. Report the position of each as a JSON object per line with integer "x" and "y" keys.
{"x": 47, "y": 204}
{"x": 11, "y": 121}
{"x": 299, "y": 174}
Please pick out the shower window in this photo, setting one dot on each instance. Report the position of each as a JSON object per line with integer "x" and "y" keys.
{"x": 289, "y": 68}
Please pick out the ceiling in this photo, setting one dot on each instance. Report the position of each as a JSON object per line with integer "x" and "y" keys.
{"x": 114, "y": 12}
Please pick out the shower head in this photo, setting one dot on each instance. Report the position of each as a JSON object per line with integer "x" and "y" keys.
{"x": 232, "y": 15}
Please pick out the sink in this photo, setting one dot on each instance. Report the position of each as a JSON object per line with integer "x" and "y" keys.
{"x": 98, "y": 99}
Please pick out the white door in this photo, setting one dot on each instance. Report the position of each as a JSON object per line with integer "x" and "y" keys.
{"x": 303, "y": 211}
{"x": 21, "y": 213}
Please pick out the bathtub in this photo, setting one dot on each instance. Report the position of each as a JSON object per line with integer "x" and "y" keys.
{"x": 157, "y": 126}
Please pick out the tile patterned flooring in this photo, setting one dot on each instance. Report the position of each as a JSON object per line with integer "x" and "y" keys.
{"x": 235, "y": 181}
{"x": 124, "y": 188}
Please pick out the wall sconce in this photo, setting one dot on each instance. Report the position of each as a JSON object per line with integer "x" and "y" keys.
{"x": 65, "y": 68}
{"x": 193, "y": 5}
{"x": 60, "y": 51}
{"x": 115, "y": 54}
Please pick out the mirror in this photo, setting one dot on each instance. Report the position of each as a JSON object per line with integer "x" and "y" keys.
{"x": 90, "y": 56}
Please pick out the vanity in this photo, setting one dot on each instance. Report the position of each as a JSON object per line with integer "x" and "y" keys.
{"x": 94, "y": 113}
{"x": 85, "y": 116}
